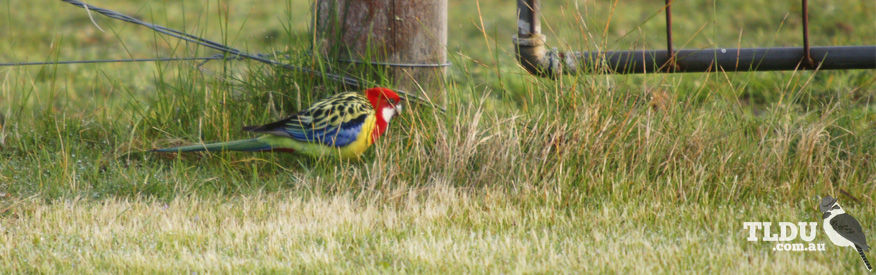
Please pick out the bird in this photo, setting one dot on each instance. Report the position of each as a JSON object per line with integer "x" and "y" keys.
{"x": 345, "y": 125}
{"x": 842, "y": 229}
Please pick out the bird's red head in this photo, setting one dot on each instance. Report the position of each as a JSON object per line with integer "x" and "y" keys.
{"x": 382, "y": 97}
{"x": 386, "y": 105}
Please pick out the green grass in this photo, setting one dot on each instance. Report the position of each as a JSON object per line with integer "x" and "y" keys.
{"x": 593, "y": 173}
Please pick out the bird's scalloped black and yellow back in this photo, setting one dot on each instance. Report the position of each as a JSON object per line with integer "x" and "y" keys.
{"x": 336, "y": 109}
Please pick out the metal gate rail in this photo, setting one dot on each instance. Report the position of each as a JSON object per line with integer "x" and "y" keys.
{"x": 534, "y": 56}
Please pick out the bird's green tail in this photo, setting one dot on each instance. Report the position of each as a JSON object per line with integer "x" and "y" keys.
{"x": 247, "y": 145}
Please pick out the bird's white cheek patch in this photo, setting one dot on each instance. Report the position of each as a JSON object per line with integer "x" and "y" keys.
{"x": 388, "y": 113}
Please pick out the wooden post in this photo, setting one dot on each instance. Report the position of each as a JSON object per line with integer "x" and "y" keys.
{"x": 411, "y": 34}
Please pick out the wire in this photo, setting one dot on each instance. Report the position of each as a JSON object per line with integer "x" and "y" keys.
{"x": 67, "y": 62}
{"x": 391, "y": 64}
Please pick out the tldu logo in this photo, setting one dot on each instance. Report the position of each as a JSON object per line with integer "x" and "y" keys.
{"x": 842, "y": 229}
{"x": 788, "y": 231}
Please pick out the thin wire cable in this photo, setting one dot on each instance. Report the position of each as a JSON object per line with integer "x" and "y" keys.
{"x": 68, "y": 62}
{"x": 391, "y": 64}
{"x": 349, "y": 81}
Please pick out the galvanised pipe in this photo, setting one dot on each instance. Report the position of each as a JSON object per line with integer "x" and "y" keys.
{"x": 534, "y": 56}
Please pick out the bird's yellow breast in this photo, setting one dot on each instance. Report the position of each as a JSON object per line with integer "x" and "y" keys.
{"x": 363, "y": 140}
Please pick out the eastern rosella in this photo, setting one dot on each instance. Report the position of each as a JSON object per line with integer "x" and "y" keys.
{"x": 345, "y": 124}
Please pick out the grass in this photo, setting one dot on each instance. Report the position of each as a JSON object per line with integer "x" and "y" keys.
{"x": 592, "y": 173}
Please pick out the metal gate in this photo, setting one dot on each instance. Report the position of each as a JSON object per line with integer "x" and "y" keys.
{"x": 534, "y": 56}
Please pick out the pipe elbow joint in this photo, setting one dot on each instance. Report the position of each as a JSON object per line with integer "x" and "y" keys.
{"x": 534, "y": 56}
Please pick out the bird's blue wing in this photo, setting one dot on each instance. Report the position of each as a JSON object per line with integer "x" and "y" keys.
{"x": 331, "y": 135}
